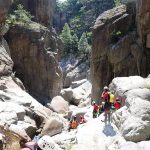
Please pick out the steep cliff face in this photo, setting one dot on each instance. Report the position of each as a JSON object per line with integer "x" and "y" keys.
{"x": 119, "y": 48}
{"x": 4, "y": 7}
{"x": 6, "y": 63}
{"x": 42, "y": 10}
{"x": 34, "y": 62}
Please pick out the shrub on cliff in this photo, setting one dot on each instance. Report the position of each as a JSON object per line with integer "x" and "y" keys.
{"x": 19, "y": 16}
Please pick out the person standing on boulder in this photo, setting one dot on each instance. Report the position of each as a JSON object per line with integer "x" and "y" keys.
{"x": 107, "y": 108}
{"x": 105, "y": 95}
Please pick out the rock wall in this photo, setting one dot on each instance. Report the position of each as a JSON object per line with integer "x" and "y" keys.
{"x": 42, "y": 10}
{"x": 133, "y": 119}
{"x": 4, "y": 8}
{"x": 34, "y": 62}
{"x": 118, "y": 45}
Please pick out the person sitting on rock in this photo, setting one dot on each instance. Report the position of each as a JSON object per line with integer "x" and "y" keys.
{"x": 117, "y": 103}
{"x": 73, "y": 123}
{"x": 95, "y": 109}
{"x": 105, "y": 95}
{"x": 82, "y": 119}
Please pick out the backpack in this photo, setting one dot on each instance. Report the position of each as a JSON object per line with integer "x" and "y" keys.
{"x": 105, "y": 96}
{"x": 74, "y": 124}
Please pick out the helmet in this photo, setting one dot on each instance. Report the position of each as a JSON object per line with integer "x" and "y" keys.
{"x": 103, "y": 103}
{"x": 93, "y": 103}
{"x": 106, "y": 88}
{"x": 117, "y": 99}
{"x": 81, "y": 117}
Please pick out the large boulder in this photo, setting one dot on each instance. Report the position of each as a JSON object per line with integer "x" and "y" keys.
{"x": 47, "y": 143}
{"x": 34, "y": 62}
{"x": 74, "y": 69}
{"x": 133, "y": 119}
{"x": 19, "y": 110}
{"x": 79, "y": 93}
{"x": 59, "y": 105}
{"x": 117, "y": 44}
{"x": 52, "y": 127}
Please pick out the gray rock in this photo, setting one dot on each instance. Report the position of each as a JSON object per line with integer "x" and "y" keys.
{"x": 52, "y": 127}
{"x": 133, "y": 118}
{"x": 59, "y": 105}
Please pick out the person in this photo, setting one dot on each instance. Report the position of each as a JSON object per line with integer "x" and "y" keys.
{"x": 112, "y": 98}
{"x": 73, "y": 123}
{"x": 82, "y": 119}
{"x": 117, "y": 103}
{"x": 105, "y": 95}
{"x": 95, "y": 109}
{"x": 107, "y": 108}
{"x": 102, "y": 107}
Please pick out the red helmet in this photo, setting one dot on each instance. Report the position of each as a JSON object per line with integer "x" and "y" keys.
{"x": 81, "y": 117}
{"x": 117, "y": 99}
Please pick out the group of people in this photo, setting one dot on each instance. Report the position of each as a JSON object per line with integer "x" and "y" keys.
{"x": 109, "y": 103}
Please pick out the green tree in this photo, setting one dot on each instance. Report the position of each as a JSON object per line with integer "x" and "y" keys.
{"x": 83, "y": 45}
{"x": 117, "y": 2}
{"x": 67, "y": 39}
{"x": 75, "y": 41}
{"x": 19, "y": 16}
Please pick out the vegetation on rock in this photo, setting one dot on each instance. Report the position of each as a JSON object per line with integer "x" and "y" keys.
{"x": 19, "y": 16}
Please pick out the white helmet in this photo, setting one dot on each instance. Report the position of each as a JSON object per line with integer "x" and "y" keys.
{"x": 106, "y": 88}
{"x": 93, "y": 103}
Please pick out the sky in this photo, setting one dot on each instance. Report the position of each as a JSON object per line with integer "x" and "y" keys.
{"x": 62, "y": 0}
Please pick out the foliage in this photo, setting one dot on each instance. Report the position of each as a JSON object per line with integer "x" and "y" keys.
{"x": 69, "y": 147}
{"x": 83, "y": 45}
{"x": 67, "y": 39}
{"x": 117, "y": 2}
{"x": 116, "y": 35}
{"x": 81, "y": 14}
{"x": 19, "y": 16}
{"x": 75, "y": 41}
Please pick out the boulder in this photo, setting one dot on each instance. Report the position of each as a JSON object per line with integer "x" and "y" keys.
{"x": 11, "y": 112}
{"x": 47, "y": 143}
{"x": 52, "y": 127}
{"x": 76, "y": 84}
{"x": 39, "y": 71}
{"x": 59, "y": 105}
{"x": 74, "y": 69}
{"x": 67, "y": 94}
{"x": 133, "y": 119}
{"x": 82, "y": 93}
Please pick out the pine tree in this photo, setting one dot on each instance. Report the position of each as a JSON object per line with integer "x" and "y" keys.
{"x": 83, "y": 45}
{"x": 75, "y": 41}
{"x": 67, "y": 39}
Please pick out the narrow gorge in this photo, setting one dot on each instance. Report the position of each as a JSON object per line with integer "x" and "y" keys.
{"x": 56, "y": 57}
